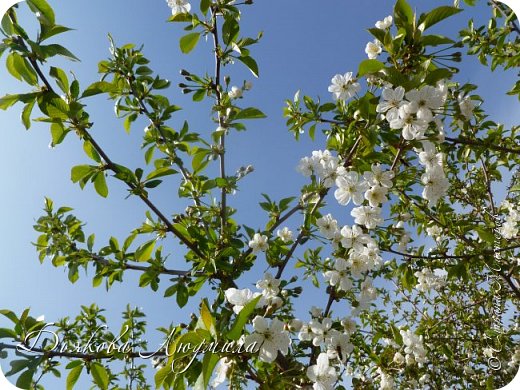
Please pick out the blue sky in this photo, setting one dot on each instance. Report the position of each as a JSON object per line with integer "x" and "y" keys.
{"x": 305, "y": 43}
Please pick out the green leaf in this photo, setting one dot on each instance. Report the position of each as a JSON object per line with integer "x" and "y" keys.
{"x": 189, "y": 41}
{"x": 100, "y": 375}
{"x": 207, "y": 317}
{"x": 250, "y": 63}
{"x": 80, "y": 171}
{"x": 61, "y": 78}
{"x": 370, "y": 66}
{"x": 26, "y": 114}
{"x": 204, "y": 6}
{"x": 249, "y": 113}
{"x": 144, "y": 252}
{"x": 100, "y": 184}
{"x": 436, "y": 75}
{"x": 485, "y": 234}
{"x": 45, "y": 10}
{"x": 25, "y": 379}
{"x": 58, "y": 133}
{"x": 182, "y": 295}
{"x": 242, "y": 318}
{"x": 73, "y": 376}
{"x": 50, "y": 31}
{"x": 404, "y": 12}
{"x": 7, "y": 333}
{"x": 20, "y": 68}
{"x": 436, "y": 15}
{"x": 230, "y": 30}
{"x": 435, "y": 40}
{"x": 8, "y": 100}
{"x": 99, "y": 87}
{"x": 55, "y": 49}
{"x": 209, "y": 362}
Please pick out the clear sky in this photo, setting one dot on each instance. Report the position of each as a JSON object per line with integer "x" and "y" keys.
{"x": 305, "y": 43}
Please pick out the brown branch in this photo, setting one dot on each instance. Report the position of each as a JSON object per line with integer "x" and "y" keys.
{"x": 466, "y": 141}
{"x": 113, "y": 167}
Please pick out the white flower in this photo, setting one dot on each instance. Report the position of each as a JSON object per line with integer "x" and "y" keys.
{"x": 349, "y": 325}
{"x": 427, "y": 99}
{"x": 306, "y": 166}
{"x": 376, "y": 195}
{"x": 466, "y": 106}
{"x": 305, "y": 333}
{"x": 269, "y": 285}
{"x": 427, "y": 280}
{"x": 436, "y": 185}
{"x": 221, "y": 372}
{"x": 322, "y": 374}
{"x": 386, "y": 380}
{"x": 385, "y": 23}
{"x": 295, "y": 325}
{"x": 412, "y": 126}
{"x": 240, "y": 298}
{"x": 368, "y": 216}
{"x": 316, "y": 311}
{"x": 434, "y": 231}
{"x": 398, "y": 358}
{"x": 371, "y": 252}
{"x": 509, "y": 230}
{"x": 327, "y": 225}
{"x": 235, "y": 93}
{"x": 358, "y": 264}
{"x": 350, "y": 188}
{"x": 373, "y": 49}
{"x": 379, "y": 177}
{"x": 429, "y": 156}
{"x": 353, "y": 237}
{"x": 285, "y": 234}
{"x": 339, "y": 346}
{"x": 269, "y": 338}
{"x": 320, "y": 330}
{"x": 339, "y": 276}
{"x": 343, "y": 87}
{"x": 393, "y": 100}
{"x": 414, "y": 348}
{"x": 259, "y": 243}
{"x": 368, "y": 291}
{"x": 41, "y": 318}
{"x": 179, "y": 6}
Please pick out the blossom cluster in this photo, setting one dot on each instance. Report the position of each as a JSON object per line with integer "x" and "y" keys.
{"x": 428, "y": 280}
{"x": 434, "y": 178}
{"x": 509, "y": 228}
{"x": 414, "y": 348}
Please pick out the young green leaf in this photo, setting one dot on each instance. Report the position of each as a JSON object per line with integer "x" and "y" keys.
{"x": 189, "y": 41}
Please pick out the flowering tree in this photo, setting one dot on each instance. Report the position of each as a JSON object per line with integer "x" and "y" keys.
{"x": 415, "y": 284}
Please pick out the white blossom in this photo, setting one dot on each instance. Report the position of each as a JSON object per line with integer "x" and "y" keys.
{"x": 368, "y": 216}
{"x": 270, "y": 286}
{"x": 436, "y": 184}
{"x": 373, "y": 49}
{"x": 269, "y": 338}
{"x": 327, "y": 226}
{"x": 322, "y": 374}
{"x": 339, "y": 276}
{"x": 349, "y": 325}
{"x": 350, "y": 188}
{"x": 376, "y": 195}
{"x": 378, "y": 177}
{"x": 392, "y": 101}
{"x": 385, "y": 23}
{"x": 343, "y": 87}
{"x": 235, "y": 93}
{"x": 353, "y": 237}
{"x": 339, "y": 346}
{"x": 240, "y": 298}
{"x": 414, "y": 347}
{"x": 179, "y": 6}
{"x": 285, "y": 234}
{"x": 221, "y": 372}
{"x": 320, "y": 330}
{"x": 259, "y": 243}
{"x": 466, "y": 106}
